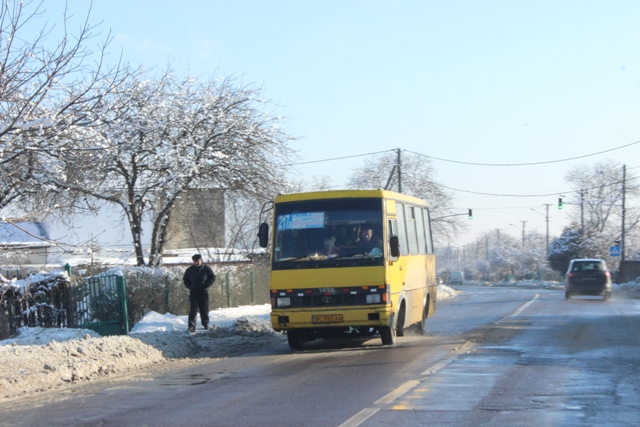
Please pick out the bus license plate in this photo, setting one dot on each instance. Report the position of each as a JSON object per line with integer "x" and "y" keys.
{"x": 327, "y": 318}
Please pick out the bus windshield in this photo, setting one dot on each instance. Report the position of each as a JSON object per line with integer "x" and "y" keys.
{"x": 328, "y": 232}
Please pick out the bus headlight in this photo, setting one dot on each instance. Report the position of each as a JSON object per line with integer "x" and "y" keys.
{"x": 373, "y": 298}
{"x": 284, "y": 301}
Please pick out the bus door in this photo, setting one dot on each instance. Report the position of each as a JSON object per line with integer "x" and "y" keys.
{"x": 395, "y": 266}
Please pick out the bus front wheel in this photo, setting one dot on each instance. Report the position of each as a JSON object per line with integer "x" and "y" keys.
{"x": 388, "y": 335}
{"x": 296, "y": 339}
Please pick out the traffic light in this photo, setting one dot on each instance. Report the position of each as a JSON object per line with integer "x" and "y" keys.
{"x": 470, "y": 214}
{"x": 559, "y": 202}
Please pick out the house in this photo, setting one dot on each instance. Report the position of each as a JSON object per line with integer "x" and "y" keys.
{"x": 24, "y": 243}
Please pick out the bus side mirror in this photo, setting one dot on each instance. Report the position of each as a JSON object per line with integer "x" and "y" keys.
{"x": 263, "y": 235}
{"x": 394, "y": 246}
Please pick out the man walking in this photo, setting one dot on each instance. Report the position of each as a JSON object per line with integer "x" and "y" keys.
{"x": 197, "y": 278}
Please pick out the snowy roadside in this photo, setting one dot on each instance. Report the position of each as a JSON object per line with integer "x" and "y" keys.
{"x": 44, "y": 359}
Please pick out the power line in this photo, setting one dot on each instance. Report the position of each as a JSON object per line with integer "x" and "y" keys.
{"x": 506, "y": 195}
{"x": 485, "y": 164}
{"x": 524, "y": 164}
{"x": 469, "y": 163}
{"x": 595, "y": 187}
{"x": 341, "y": 158}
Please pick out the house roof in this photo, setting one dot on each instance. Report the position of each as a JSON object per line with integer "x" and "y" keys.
{"x": 24, "y": 234}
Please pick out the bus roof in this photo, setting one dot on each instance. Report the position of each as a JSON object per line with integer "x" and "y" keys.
{"x": 349, "y": 194}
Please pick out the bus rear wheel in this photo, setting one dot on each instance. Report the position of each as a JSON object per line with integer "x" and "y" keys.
{"x": 423, "y": 321}
{"x": 388, "y": 335}
{"x": 296, "y": 339}
{"x": 400, "y": 323}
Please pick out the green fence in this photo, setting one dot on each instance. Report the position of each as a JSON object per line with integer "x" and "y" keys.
{"x": 100, "y": 304}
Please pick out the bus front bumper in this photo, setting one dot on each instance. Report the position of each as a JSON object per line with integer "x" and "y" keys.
{"x": 340, "y": 317}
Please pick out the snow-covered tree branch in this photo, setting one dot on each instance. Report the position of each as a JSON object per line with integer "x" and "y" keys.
{"x": 50, "y": 90}
{"x": 163, "y": 136}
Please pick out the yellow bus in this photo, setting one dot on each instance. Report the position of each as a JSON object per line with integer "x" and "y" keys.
{"x": 350, "y": 263}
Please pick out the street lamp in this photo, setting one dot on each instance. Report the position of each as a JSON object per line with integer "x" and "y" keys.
{"x": 547, "y": 220}
{"x": 523, "y": 223}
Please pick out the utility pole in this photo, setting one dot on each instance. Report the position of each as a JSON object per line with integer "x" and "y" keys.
{"x": 546, "y": 220}
{"x": 624, "y": 174}
{"x": 486, "y": 243}
{"x": 547, "y": 206}
{"x": 498, "y": 232}
{"x": 399, "y": 174}
{"x": 523, "y": 223}
{"x": 582, "y": 211}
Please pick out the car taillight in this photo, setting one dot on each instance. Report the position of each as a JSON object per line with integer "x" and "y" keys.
{"x": 571, "y": 274}
{"x": 607, "y": 273}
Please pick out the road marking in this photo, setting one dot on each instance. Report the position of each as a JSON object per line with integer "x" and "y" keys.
{"x": 360, "y": 417}
{"x": 521, "y": 309}
{"x": 435, "y": 368}
{"x": 366, "y": 413}
{"x": 397, "y": 393}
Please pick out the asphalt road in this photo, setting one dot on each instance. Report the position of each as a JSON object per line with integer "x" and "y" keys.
{"x": 491, "y": 357}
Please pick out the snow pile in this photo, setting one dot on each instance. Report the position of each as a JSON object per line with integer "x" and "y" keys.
{"x": 42, "y": 359}
{"x": 631, "y": 289}
{"x": 445, "y": 292}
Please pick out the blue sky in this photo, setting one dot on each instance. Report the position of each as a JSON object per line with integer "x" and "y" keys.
{"x": 470, "y": 81}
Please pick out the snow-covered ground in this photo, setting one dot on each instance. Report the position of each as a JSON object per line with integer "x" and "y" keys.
{"x": 42, "y": 359}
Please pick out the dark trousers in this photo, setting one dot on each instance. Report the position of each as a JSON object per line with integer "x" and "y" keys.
{"x": 199, "y": 302}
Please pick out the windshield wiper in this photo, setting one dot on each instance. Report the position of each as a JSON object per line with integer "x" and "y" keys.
{"x": 353, "y": 254}
{"x": 294, "y": 258}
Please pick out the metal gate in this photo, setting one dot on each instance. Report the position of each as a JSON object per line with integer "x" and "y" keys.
{"x": 100, "y": 304}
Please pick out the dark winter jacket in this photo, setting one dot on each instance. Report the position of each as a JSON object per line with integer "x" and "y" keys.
{"x": 198, "y": 279}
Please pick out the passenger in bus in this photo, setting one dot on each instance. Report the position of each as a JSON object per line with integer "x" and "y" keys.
{"x": 330, "y": 247}
{"x": 367, "y": 240}
{"x": 294, "y": 244}
{"x": 349, "y": 237}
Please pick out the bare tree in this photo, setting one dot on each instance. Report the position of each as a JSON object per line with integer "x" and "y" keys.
{"x": 242, "y": 219}
{"x": 598, "y": 194}
{"x": 49, "y": 92}
{"x": 418, "y": 179}
{"x": 164, "y": 136}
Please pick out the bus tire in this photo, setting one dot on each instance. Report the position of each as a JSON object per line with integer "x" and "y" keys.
{"x": 400, "y": 323}
{"x": 296, "y": 339}
{"x": 388, "y": 335}
{"x": 425, "y": 314}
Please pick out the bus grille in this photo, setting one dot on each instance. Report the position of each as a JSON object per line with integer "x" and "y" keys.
{"x": 328, "y": 301}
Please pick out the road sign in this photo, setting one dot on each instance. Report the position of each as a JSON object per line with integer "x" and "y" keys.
{"x": 614, "y": 251}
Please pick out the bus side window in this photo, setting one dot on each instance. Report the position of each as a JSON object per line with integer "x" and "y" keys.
{"x": 427, "y": 229}
{"x": 410, "y": 222}
{"x": 422, "y": 240}
{"x": 402, "y": 234}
